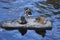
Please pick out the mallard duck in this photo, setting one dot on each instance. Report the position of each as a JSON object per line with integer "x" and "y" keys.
{"x": 28, "y": 12}
{"x": 41, "y": 20}
{"x": 22, "y": 20}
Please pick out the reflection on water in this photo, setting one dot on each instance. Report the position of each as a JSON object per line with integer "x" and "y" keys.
{"x": 12, "y": 9}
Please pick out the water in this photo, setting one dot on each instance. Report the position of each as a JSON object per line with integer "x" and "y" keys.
{"x": 12, "y": 9}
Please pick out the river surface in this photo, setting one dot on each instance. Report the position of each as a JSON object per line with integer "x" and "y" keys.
{"x": 13, "y": 9}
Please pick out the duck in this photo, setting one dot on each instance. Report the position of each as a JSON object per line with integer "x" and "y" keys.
{"x": 28, "y": 12}
{"x": 22, "y": 20}
{"x": 41, "y": 20}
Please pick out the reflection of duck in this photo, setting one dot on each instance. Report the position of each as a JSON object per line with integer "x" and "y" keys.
{"x": 28, "y": 12}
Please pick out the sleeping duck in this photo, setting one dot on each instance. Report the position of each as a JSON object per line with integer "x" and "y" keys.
{"x": 41, "y": 20}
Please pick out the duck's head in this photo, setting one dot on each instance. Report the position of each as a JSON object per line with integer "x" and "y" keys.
{"x": 28, "y": 11}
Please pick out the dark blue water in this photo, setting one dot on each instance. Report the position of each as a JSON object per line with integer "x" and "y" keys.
{"x": 13, "y": 9}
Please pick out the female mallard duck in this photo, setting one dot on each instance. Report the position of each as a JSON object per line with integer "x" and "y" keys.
{"x": 41, "y": 20}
